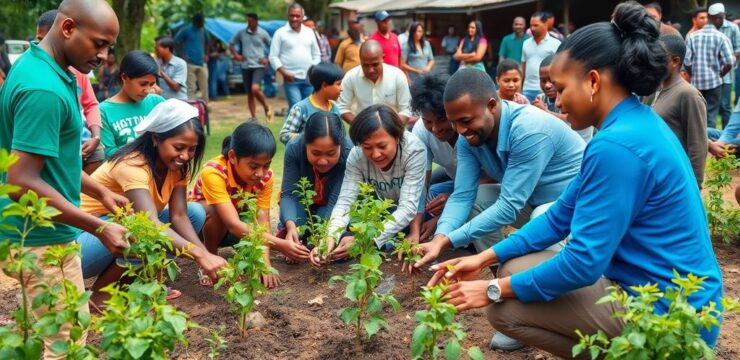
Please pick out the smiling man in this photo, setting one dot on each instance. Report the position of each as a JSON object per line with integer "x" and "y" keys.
{"x": 530, "y": 153}
{"x": 41, "y": 122}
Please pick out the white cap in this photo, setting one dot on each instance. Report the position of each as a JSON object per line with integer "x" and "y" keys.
{"x": 715, "y": 9}
{"x": 166, "y": 116}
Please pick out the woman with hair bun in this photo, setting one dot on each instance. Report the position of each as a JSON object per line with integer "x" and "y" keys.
{"x": 620, "y": 210}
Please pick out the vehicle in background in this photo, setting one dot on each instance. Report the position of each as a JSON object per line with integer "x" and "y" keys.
{"x": 16, "y": 48}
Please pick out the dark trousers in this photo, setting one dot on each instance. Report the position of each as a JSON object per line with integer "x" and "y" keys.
{"x": 725, "y": 110}
{"x": 713, "y": 98}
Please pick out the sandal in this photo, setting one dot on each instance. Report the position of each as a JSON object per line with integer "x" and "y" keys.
{"x": 203, "y": 279}
{"x": 173, "y": 294}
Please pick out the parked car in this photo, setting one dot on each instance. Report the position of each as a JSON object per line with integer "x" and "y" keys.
{"x": 15, "y": 48}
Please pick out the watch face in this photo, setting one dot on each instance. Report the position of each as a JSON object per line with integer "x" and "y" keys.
{"x": 494, "y": 292}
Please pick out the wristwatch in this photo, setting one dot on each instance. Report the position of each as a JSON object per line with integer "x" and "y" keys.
{"x": 494, "y": 291}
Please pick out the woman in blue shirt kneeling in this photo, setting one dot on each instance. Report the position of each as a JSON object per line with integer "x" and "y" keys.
{"x": 634, "y": 212}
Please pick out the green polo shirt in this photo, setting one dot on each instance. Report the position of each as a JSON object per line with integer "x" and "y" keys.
{"x": 40, "y": 114}
{"x": 120, "y": 119}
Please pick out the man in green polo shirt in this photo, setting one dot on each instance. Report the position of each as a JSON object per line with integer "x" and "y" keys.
{"x": 40, "y": 122}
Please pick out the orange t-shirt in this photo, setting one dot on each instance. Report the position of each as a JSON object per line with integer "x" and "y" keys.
{"x": 217, "y": 185}
{"x": 129, "y": 174}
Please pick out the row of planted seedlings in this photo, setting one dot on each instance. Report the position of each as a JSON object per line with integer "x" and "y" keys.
{"x": 136, "y": 323}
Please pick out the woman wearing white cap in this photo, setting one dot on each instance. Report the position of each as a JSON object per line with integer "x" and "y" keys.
{"x": 153, "y": 172}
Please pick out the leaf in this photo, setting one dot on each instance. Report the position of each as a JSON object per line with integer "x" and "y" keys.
{"x": 373, "y": 325}
{"x": 421, "y": 333}
{"x": 453, "y": 350}
{"x": 348, "y": 315}
{"x": 60, "y": 347}
{"x": 474, "y": 353}
{"x": 356, "y": 289}
{"x": 136, "y": 347}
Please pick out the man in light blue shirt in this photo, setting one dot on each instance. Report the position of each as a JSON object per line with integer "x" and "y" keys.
{"x": 530, "y": 153}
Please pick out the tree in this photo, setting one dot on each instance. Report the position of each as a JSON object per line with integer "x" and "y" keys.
{"x": 18, "y": 18}
{"x": 131, "y": 19}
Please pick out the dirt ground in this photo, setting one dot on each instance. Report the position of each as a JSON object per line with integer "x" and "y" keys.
{"x": 297, "y": 330}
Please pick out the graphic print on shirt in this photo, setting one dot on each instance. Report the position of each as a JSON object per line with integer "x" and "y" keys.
{"x": 124, "y": 128}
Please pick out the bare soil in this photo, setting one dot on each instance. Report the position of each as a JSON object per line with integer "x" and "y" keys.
{"x": 297, "y": 330}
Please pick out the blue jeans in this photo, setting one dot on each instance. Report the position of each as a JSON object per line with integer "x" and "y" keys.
{"x": 731, "y": 131}
{"x": 531, "y": 94}
{"x": 296, "y": 91}
{"x": 713, "y": 98}
{"x": 96, "y": 257}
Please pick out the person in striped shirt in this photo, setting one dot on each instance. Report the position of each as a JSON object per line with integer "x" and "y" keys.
{"x": 708, "y": 58}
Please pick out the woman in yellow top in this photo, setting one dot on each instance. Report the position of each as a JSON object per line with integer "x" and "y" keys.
{"x": 244, "y": 165}
{"x": 152, "y": 172}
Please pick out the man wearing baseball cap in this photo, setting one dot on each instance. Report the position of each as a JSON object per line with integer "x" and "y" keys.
{"x": 387, "y": 39}
{"x": 717, "y": 17}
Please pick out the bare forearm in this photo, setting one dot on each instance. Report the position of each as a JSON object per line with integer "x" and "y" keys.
{"x": 348, "y": 117}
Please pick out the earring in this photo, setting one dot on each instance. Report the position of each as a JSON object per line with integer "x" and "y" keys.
{"x": 592, "y": 97}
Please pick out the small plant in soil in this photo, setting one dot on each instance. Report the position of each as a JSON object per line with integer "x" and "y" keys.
{"x": 437, "y": 328}
{"x": 646, "y": 335}
{"x": 246, "y": 267}
{"x": 24, "y": 339}
{"x": 151, "y": 248}
{"x": 315, "y": 226}
{"x": 367, "y": 217}
{"x": 724, "y": 220}
{"x": 138, "y": 322}
{"x": 410, "y": 254}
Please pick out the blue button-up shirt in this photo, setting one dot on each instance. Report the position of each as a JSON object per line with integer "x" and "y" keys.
{"x": 536, "y": 157}
{"x": 732, "y": 31}
{"x": 634, "y": 213}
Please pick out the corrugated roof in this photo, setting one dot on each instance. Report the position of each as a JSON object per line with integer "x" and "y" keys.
{"x": 421, "y": 6}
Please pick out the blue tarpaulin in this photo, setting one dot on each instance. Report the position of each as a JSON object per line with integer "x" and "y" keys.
{"x": 225, "y": 30}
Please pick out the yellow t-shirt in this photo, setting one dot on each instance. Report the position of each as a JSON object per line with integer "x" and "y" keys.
{"x": 217, "y": 185}
{"x": 129, "y": 174}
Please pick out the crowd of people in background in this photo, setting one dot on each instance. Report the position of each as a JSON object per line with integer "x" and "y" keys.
{"x": 532, "y": 147}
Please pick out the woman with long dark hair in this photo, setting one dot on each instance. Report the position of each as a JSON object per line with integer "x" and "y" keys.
{"x": 153, "y": 172}
{"x": 416, "y": 55}
{"x": 473, "y": 47}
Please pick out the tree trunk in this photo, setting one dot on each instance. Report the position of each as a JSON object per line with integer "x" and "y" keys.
{"x": 131, "y": 19}
{"x": 316, "y": 9}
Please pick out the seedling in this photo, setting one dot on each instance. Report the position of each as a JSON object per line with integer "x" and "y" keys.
{"x": 138, "y": 323}
{"x": 246, "y": 267}
{"x": 646, "y": 335}
{"x": 150, "y": 249}
{"x": 367, "y": 215}
{"x": 724, "y": 220}
{"x": 435, "y": 324}
{"x": 410, "y": 254}
{"x": 316, "y": 227}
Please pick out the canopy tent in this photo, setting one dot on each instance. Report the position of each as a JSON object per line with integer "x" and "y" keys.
{"x": 364, "y": 7}
{"x": 225, "y": 30}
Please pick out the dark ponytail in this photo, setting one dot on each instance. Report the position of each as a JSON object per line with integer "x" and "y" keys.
{"x": 249, "y": 139}
{"x": 628, "y": 47}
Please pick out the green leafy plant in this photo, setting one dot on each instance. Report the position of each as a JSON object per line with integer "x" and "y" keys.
{"x": 647, "y": 335}
{"x": 20, "y": 340}
{"x": 216, "y": 342}
{"x": 246, "y": 267}
{"x": 436, "y": 323}
{"x": 150, "y": 249}
{"x": 367, "y": 216}
{"x": 316, "y": 227}
{"x": 138, "y": 323}
{"x": 723, "y": 219}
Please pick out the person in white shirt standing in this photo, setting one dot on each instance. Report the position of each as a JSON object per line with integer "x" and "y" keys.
{"x": 374, "y": 82}
{"x": 293, "y": 50}
{"x": 534, "y": 50}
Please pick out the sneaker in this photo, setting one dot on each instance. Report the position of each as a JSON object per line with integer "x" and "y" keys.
{"x": 499, "y": 341}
